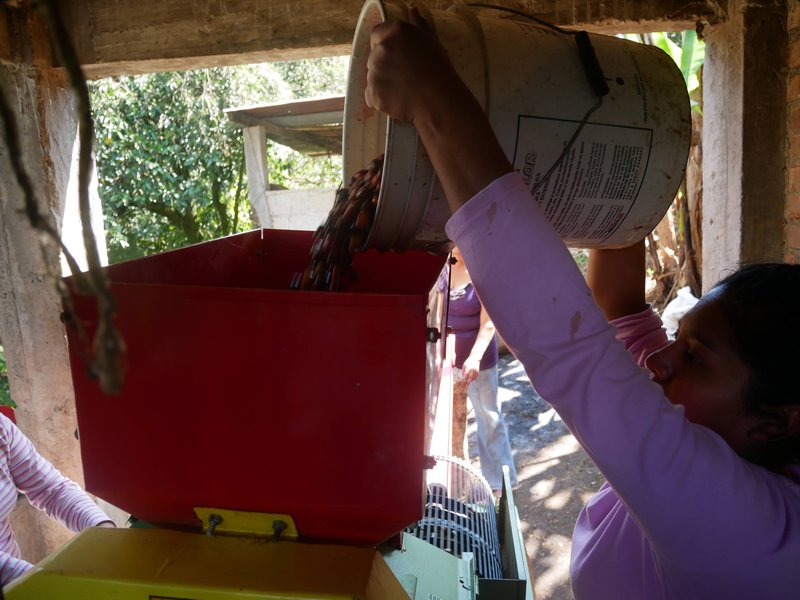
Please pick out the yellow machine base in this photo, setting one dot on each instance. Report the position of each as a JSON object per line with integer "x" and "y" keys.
{"x": 157, "y": 564}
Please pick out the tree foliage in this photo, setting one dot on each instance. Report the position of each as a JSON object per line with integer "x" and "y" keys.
{"x": 171, "y": 167}
{"x": 675, "y": 247}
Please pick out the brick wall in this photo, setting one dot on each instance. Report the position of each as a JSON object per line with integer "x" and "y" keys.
{"x": 792, "y": 250}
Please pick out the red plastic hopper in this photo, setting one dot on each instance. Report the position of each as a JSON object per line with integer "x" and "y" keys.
{"x": 242, "y": 394}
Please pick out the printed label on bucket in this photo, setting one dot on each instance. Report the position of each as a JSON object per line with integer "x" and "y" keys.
{"x": 592, "y": 190}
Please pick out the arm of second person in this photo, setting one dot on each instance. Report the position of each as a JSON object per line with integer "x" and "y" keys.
{"x": 44, "y": 485}
{"x": 616, "y": 278}
{"x": 472, "y": 365}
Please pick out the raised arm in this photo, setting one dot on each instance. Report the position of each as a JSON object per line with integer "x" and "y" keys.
{"x": 616, "y": 278}
{"x": 11, "y": 567}
{"x": 405, "y": 83}
{"x": 45, "y": 487}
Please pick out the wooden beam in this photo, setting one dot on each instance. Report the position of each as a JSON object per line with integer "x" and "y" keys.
{"x": 312, "y": 127}
{"x": 314, "y": 107}
{"x": 306, "y": 141}
{"x": 119, "y": 37}
{"x": 139, "y": 36}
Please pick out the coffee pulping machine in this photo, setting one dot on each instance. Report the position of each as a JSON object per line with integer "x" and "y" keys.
{"x": 286, "y": 444}
{"x": 278, "y": 442}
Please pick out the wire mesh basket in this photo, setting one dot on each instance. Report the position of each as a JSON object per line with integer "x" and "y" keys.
{"x": 460, "y": 515}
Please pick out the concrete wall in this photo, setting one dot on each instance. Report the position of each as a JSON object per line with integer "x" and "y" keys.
{"x": 138, "y": 36}
{"x": 71, "y": 227}
{"x": 792, "y": 251}
{"x": 32, "y": 334}
{"x": 30, "y": 306}
{"x": 299, "y": 209}
{"x": 744, "y": 137}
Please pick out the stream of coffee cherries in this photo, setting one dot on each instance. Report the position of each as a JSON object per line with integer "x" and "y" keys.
{"x": 343, "y": 233}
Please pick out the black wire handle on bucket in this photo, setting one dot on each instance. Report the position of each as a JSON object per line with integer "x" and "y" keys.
{"x": 585, "y": 49}
{"x": 591, "y": 66}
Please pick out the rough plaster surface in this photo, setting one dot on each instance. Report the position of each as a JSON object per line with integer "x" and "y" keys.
{"x": 30, "y": 329}
{"x": 722, "y": 152}
{"x": 300, "y": 209}
{"x": 145, "y": 35}
{"x": 744, "y": 138}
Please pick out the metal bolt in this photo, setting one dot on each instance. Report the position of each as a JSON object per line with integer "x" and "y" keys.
{"x": 213, "y": 521}
{"x": 278, "y": 527}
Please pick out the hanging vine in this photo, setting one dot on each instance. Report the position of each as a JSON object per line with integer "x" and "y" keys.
{"x": 107, "y": 348}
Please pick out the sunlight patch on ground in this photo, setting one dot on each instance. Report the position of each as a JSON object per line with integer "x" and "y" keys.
{"x": 506, "y": 394}
{"x": 558, "y": 500}
{"x": 563, "y": 446}
{"x": 542, "y": 488}
{"x": 586, "y": 496}
{"x": 515, "y": 367}
{"x": 544, "y": 419}
{"x": 550, "y": 572}
{"x": 532, "y": 469}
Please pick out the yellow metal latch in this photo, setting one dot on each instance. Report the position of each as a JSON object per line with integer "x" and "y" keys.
{"x": 238, "y": 522}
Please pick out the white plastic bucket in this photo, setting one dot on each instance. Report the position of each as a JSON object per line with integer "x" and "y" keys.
{"x": 610, "y": 190}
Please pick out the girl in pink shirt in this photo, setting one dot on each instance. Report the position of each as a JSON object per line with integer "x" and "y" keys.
{"x": 699, "y": 448}
{"x": 24, "y": 470}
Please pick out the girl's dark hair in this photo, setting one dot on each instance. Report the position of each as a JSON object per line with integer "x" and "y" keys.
{"x": 762, "y": 304}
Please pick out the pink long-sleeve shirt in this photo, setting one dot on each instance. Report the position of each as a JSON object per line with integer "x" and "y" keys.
{"x": 681, "y": 516}
{"x": 23, "y": 469}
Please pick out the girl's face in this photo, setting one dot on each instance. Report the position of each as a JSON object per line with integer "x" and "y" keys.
{"x": 701, "y": 372}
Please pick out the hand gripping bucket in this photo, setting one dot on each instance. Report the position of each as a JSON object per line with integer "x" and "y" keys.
{"x": 610, "y": 188}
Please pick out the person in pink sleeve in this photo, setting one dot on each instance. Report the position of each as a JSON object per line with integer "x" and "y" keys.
{"x": 24, "y": 470}
{"x": 700, "y": 447}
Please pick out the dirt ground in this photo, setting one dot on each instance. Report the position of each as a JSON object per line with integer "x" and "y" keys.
{"x": 555, "y": 479}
